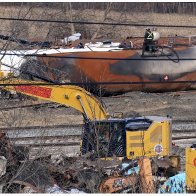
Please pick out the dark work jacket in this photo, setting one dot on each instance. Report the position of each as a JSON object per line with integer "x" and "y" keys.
{"x": 148, "y": 36}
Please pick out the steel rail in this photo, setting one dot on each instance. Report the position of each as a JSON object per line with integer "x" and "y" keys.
{"x": 65, "y": 140}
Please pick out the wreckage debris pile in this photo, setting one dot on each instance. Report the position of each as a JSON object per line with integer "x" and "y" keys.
{"x": 81, "y": 174}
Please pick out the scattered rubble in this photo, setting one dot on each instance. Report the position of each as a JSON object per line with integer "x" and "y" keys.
{"x": 84, "y": 174}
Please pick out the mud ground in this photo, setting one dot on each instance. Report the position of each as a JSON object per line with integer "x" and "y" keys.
{"x": 179, "y": 105}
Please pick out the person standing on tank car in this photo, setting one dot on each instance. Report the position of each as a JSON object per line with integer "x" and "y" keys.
{"x": 148, "y": 41}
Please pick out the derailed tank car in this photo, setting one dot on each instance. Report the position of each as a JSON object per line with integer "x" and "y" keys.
{"x": 92, "y": 67}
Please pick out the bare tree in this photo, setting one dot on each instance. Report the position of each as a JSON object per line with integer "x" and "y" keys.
{"x": 106, "y": 12}
{"x": 70, "y": 15}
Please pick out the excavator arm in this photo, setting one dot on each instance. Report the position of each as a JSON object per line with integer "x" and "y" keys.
{"x": 68, "y": 95}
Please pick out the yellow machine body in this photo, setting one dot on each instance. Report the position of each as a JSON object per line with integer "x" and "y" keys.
{"x": 154, "y": 141}
{"x": 191, "y": 169}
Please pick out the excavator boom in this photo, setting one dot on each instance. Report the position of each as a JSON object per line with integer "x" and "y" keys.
{"x": 69, "y": 95}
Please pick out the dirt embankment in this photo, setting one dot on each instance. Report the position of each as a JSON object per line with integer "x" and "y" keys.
{"x": 179, "y": 105}
{"x": 48, "y": 31}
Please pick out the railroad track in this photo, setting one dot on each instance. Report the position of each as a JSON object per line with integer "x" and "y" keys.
{"x": 179, "y": 130}
{"x": 65, "y": 139}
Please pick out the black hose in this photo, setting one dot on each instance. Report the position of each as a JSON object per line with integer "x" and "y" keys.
{"x": 176, "y": 60}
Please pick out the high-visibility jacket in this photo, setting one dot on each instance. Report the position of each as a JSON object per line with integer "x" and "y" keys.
{"x": 148, "y": 35}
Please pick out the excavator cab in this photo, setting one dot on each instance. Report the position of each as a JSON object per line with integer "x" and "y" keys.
{"x": 129, "y": 137}
{"x": 106, "y": 138}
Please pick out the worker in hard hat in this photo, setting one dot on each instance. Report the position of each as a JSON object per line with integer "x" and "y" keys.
{"x": 148, "y": 41}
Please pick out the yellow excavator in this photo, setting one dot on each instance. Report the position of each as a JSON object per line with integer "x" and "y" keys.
{"x": 108, "y": 136}
{"x": 103, "y": 135}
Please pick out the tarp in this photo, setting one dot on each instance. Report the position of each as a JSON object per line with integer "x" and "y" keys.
{"x": 175, "y": 184}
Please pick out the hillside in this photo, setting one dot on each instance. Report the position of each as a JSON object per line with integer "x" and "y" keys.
{"x": 50, "y": 31}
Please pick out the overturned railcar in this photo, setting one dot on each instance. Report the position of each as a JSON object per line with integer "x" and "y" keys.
{"x": 99, "y": 70}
